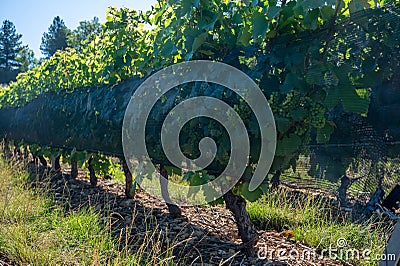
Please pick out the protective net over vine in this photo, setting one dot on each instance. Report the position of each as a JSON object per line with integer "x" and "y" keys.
{"x": 334, "y": 92}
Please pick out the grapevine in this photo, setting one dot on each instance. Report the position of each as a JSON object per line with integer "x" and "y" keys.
{"x": 304, "y": 64}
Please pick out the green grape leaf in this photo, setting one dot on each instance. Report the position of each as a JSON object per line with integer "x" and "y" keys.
{"x": 292, "y": 81}
{"x": 288, "y": 145}
{"x": 173, "y": 170}
{"x": 187, "y": 176}
{"x": 327, "y": 12}
{"x": 298, "y": 114}
{"x": 185, "y": 8}
{"x": 282, "y": 123}
{"x": 73, "y": 152}
{"x": 211, "y": 24}
{"x": 332, "y": 97}
{"x": 199, "y": 41}
{"x": 273, "y": 11}
{"x": 311, "y": 19}
{"x": 168, "y": 49}
{"x": 260, "y": 25}
{"x": 250, "y": 195}
{"x": 294, "y": 58}
{"x": 352, "y": 101}
{"x": 109, "y": 19}
{"x": 245, "y": 35}
{"x": 269, "y": 83}
{"x": 190, "y": 35}
{"x": 368, "y": 65}
{"x": 264, "y": 187}
{"x": 195, "y": 181}
{"x": 316, "y": 76}
{"x": 324, "y": 134}
{"x": 358, "y": 5}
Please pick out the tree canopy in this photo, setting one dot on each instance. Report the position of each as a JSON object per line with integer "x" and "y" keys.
{"x": 26, "y": 59}
{"x": 85, "y": 33}
{"x": 56, "y": 38}
{"x": 10, "y": 46}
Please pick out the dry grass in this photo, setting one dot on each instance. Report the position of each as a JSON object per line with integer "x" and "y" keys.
{"x": 35, "y": 231}
{"x": 316, "y": 225}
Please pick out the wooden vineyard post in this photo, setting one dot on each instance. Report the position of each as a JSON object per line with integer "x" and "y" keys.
{"x": 57, "y": 164}
{"x": 92, "y": 173}
{"x": 345, "y": 183}
{"x": 128, "y": 180}
{"x": 7, "y": 151}
{"x": 275, "y": 180}
{"x": 74, "y": 169}
{"x": 391, "y": 257}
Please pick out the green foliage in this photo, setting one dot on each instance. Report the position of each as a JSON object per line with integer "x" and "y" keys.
{"x": 101, "y": 164}
{"x": 313, "y": 223}
{"x": 84, "y": 34}
{"x": 10, "y": 47}
{"x": 36, "y": 230}
{"x": 55, "y": 39}
{"x": 251, "y": 196}
{"x": 26, "y": 59}
{"x": 307, "y": 56}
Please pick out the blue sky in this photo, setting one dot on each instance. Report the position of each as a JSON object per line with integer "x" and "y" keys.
{"x": 33, "y": 17}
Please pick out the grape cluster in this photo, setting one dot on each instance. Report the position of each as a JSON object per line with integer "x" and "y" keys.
{"x": 292, "y": 101}
{"x": 301, "y": 130}
{"x": 285, "y": 105}
{"x": 317, "y": 116}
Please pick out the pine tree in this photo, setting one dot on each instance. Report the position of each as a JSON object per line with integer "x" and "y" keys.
{"x": 56, "y": 38}
{"x": 84, "y": 33}
{"x": 10, "y": 46}
{"x": 26, "y": 59}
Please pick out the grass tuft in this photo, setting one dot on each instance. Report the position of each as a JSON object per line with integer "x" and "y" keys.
{"x": 314, "y": 224}
{"x": 35, "y": 231}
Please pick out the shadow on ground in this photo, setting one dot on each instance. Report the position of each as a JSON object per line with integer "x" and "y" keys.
{"x": 203, "y": 236}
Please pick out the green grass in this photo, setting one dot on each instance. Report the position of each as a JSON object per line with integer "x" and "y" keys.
{"x": 313, "y": 223}
{"x": 35, "y": 231}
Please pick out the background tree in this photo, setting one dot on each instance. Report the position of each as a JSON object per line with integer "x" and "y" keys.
{"x": 10, "y": 46}
{"x": 26, "y": 59}
{"x": 56, "y": 38}
{"x": 84, "y": 33}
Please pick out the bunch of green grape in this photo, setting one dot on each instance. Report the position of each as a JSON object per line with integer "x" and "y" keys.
{"x": 292, "y": 101}
{"x": 301, "y": 129}
{"x": 317, "y": 115}
{"x": 287, "y": 105}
